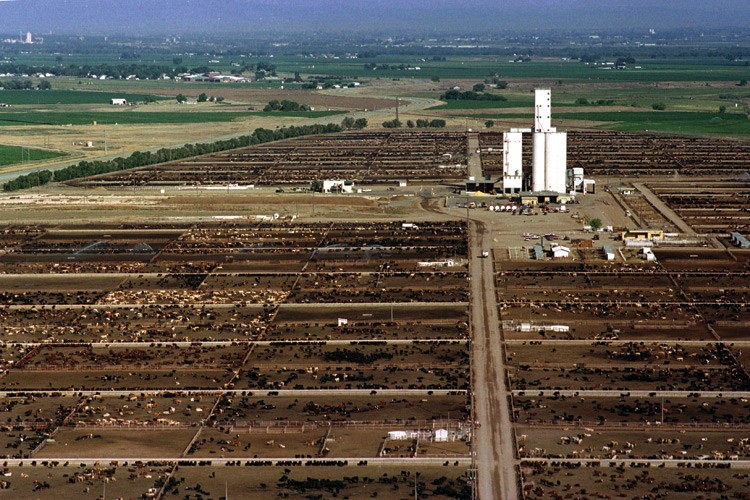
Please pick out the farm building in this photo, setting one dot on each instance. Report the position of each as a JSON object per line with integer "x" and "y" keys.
{"x": 643, "y": 234}
{"x": 118, "y": 102}
{"x": 560, "y": 252}
{"x": 608, "y": 253}
{"x": 441, "y": 435}
{"x": 338, "y": 186}
{"x": 740, "y": 240}
{"x": 398, "y": 435}
{"x": 486, "y": 185}
{"x": 538, "y": 252}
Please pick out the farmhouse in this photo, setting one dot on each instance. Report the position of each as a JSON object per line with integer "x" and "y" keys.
{"x": 118, "y": 102}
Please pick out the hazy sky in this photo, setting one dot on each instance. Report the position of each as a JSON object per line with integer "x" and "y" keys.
{"x": 248, "y": 16}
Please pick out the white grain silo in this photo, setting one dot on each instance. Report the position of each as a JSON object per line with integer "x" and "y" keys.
{"x": 538, "y": 161}
{"x": 542, "y": 125}
{"x": 556, "y": 158}
{"x": 550, "y": 149}
{"x": 512, "y": 162}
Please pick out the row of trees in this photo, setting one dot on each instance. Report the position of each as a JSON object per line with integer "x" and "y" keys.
{"x": 124, "y": 70}
{"x": 421, "y": 123}
{"x": 470, "y": 95}
{"x": 349, "y": 123}
{"x": 285, "y": 105}
{"x": 386, "y": 67}
{"x": 145, "y": 158}
{"x": 25, "y": 85}
{"x": 599, "y": 102}
{"x": 203, "y": 97}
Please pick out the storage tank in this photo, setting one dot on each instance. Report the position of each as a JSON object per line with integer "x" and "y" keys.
{"x": 512, "y": 161}
{"x": 538, "y": 161}
{"x": 556, "y": 159}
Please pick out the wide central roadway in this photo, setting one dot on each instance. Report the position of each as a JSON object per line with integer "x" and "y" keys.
{"x": 493, "y": 437}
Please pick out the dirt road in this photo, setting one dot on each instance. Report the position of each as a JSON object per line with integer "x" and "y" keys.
{"x": 493, "y": 438}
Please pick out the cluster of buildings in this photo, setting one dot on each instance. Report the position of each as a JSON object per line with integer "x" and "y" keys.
{"x": 26, "y": 39}
{"x": 213, "y": 78}
{"x": 550, "y": 178}
{"x": 549, "y": 173}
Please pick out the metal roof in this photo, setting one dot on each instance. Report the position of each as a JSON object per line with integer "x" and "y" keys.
{"x": 538, "y": 252}
{"x": 740, "y": 240}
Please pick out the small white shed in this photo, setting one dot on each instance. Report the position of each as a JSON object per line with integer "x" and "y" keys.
{"x": 398, "y": 435}
{"x": 441, "y": 435}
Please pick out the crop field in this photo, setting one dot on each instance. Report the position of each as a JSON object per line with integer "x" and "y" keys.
{"x": 369, "y": 157}
{"x": 18, "y": 154}
{"x": 614, "y": 364}
{"x": 19, "y": 97}
{"x": 690, "y": 123}
{"x": 136, "y": 117}
{"x": 128, "y": 344}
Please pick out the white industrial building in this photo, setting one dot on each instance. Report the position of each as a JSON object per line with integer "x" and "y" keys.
{"x": 550, "y": 152}
{"x": 512, "y": 161}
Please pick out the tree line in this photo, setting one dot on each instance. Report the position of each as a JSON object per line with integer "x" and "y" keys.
{"x": 285, "y": 105}
{"x": 470, "y": 95}
{"x": 144, "y": 158}
{"x": 420, "y": 123}
{"x": 24, "y": 85}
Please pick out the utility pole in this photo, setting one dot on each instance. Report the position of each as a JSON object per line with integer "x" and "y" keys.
{"x": 398, "y": 101}
{"x": 105, "y": 141}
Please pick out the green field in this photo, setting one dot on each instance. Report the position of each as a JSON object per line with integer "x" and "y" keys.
{"x": 135, "y": 117}
{"x": 67, "y": 97}
{"x": 677, "y": 122}
{"x": 652, "y": 69}
{"x": 479, "y": 67}
{"x": 17, "y": 154}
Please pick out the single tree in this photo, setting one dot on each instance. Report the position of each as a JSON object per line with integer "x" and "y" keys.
{"x": 595, "y": 223}
{"x": 489, "y": 123}
{"x": 202, "y": 97}
{"x": 181, "y": 98}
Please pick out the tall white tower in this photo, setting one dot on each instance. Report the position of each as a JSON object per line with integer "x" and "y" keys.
{"x": 542, "y": 110}
{"x": 550, "y": 150}
{"x": 29, "y": 39}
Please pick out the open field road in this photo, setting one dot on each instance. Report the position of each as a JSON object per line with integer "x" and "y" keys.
{"x": 374, "y": 117}
{"x": 493, "y": 438}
